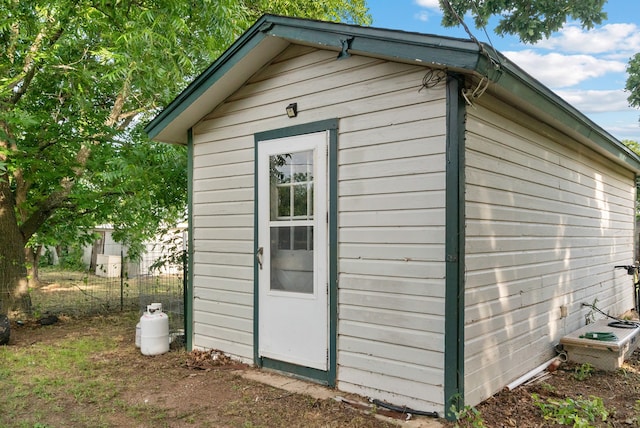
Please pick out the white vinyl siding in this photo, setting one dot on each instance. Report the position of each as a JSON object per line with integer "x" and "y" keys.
{"x": 391, "y": 216}
{"x": 223, "y": 246}
{"x": 546, "y": 221}
{"x": 391, "y": 248}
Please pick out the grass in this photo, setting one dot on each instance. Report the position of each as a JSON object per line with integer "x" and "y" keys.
{"x": 58, "y": 376}
{"x": 86, "y": 372}
{"x": 49, "y": 374}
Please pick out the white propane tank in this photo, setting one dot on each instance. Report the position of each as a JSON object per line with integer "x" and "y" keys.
{"x": 138, "y": 334}
{"x": 154, "y": 331}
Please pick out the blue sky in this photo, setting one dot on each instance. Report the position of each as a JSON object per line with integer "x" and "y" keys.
{"x": 585, "y": 67}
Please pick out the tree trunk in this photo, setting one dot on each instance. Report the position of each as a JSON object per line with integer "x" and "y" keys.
{"x": 14, "y": 291}
{"x": 33, "y": 262}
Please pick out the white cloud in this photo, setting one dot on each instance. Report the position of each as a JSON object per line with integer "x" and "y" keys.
{"x": 627, "y": 133}
{"x": 423, "y": 16}
{"x": 430, "y": 7}
{"x": 609, "y": 38}
{"x": 624, "y": 130}
{"x": 429, "y": 4}
{"x": 559, "y": 71}
{"x": 596, "y": 101}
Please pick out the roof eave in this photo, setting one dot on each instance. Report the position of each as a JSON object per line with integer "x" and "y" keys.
{"x": 273, "y": 33}
{"x": 517, "y": 82}
{"x": 171, "y": 124}
{"x": 159, "y": 127}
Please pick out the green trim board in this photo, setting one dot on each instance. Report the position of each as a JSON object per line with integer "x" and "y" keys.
{"x": 333, "y": 253}
{"x": 242, "y": 46}
{"x": 636, "y": 238}
{"x": 188, "y": 298}
{"x": 300, "y": 372}
{"x": 454, "y": 246}
{"x": 329, "y": 377}
{"x": 304, "y": 128}
{"x": 366, "y": 41}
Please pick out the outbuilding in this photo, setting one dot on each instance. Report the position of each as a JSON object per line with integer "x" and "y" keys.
{"x": 405, "y": 216}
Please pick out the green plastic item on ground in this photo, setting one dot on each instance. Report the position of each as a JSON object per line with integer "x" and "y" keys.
{"x": 605, "y": 336}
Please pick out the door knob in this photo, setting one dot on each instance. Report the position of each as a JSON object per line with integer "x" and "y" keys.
{"x": 259, "y": 254}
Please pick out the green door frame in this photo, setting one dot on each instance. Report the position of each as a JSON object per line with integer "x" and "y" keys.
{"x": 328, "y": 377}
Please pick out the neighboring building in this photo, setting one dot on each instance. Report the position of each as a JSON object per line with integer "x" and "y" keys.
{"x": 104, "y": 257}
{"x": 411, "y": 232}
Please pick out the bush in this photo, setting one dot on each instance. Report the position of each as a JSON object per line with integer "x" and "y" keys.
{"x": 71, "y": 259}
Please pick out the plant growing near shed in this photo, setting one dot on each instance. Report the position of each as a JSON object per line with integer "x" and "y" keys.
{"x": 467, "y": 416}
{"x": 579, "y": 412}
{"x": 583, "y": 371}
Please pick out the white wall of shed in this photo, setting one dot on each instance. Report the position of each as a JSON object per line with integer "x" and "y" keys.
{"x": 391, "y": 244}
{"x": 546, "y": 221}
{"x": 391, "y": 216}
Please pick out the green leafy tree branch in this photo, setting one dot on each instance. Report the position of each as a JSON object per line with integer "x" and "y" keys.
{"x": 78, "y": 80}
{"x": 533, "y": 20}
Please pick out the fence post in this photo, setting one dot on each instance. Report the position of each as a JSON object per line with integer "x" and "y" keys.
{"x": 121, "y": 280}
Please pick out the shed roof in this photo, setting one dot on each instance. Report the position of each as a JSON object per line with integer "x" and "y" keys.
{"x": 271, "y": 34}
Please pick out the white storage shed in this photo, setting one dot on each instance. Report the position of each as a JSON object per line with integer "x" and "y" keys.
{"x": 394, "y": 214}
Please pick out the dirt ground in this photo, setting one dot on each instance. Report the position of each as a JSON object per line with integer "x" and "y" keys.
{"x": 180, "y": 389}
{"x": 176, "y": 389}
{"x": 563, "y": 391}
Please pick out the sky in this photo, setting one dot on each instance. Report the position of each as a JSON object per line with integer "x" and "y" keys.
{"x": 585, "y": 67}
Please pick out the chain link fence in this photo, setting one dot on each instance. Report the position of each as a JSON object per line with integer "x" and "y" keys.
{"x": 112, "y": 283}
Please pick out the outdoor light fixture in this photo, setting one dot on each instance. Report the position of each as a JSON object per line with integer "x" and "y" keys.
{"x": 292, "y": 110}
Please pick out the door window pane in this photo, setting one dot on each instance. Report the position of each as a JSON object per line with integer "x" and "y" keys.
{"x": 292, "y": 186}
{"x": 300, "y": 200}
{"x": 284, "y": 201}
{"x": 292, "y": 258}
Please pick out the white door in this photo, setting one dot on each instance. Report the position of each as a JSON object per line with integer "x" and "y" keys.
{"x": 292, "y": 250}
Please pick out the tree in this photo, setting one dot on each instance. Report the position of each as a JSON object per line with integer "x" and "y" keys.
{"x": 632, "y": 145}
{"x": 531, "y": 20}
{"x": 635, "y": 147}
{"x": 78, "y": 79}
{"x": 633, "y": 81}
